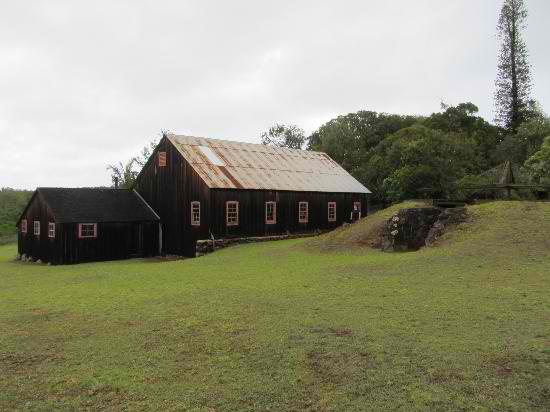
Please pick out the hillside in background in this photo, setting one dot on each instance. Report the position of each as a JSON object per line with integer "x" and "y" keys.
{"x": 12, "y": 203}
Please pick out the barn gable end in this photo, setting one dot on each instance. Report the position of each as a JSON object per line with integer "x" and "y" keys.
{"x": 169, "y": 184}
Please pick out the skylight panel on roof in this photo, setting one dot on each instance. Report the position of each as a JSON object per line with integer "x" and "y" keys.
{"x": 210, "y": 155}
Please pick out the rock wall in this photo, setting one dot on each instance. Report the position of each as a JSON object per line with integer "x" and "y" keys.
{"x": 411, "y": 229}
{"x": 208, "y": 246}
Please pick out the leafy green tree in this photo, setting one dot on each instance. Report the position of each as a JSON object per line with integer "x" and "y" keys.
{"x": 12, "y": 203}
{"x": 350, "y": 139}
{"x": 281, "y": 135}
{"x": 537, "y": 167}
{"x": 523, "y": 144}
{"x": 463, "y": 120}
{"x": 123, "y": 175}
{"x": 418, "y": 161}
{"x": 513, "y": 84}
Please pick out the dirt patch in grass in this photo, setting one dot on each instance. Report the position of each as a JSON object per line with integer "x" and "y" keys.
{"x": 22, "y": 362}
{"x": 446, "y": 375}
{"x": 96, "y": 397}
{"x": 341, "y": 332}
{"x": 328, "y": 367}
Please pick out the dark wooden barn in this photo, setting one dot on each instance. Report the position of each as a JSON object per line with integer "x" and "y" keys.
{"x": 80, "y": 225}
{"x": 203, "y": 188}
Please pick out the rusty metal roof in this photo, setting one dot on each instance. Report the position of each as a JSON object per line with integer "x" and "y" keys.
{"x": 224, "y": 164}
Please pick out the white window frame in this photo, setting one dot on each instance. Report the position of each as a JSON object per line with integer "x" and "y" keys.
{"x": 24, "y": 227}
{"x": 233, "y": 221}
{"x": 162, "y": 159}
{"x": 80, "y": 227}
{"x": 195, "y": 213}
{"x": 272, "y": 221}
{"x": 331, "y": 209}
{"x": 303, "y": 215}
{"x": 51, "y": 230}
{"x": 36, "y": 227}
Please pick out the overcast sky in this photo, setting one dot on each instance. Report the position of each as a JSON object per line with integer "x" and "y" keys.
{"x": 86, "y": 83}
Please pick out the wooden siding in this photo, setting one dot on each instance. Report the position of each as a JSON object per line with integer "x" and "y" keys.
{"x": 113, "y": 241}
{"x": 39, "y": 247}
{"x": 252, "y": 211}
{"x": 169, "y": 190}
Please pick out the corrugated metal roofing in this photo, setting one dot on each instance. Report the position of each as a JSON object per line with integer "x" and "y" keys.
{"x": 256, "y": 166}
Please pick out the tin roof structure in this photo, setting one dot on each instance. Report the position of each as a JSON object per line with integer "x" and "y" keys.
{"x": 224, "y": 164}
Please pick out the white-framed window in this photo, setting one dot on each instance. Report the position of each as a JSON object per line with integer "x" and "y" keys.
{"x": 332, "y": 211}
{"x": 232, "y": 213}
{"x": 37, "y": 227}
{"x": 270, "y": 213}
{"x": 51, "y": 229}
{"x": 87, "y": 230}
{"x": 24, "y": 226}
{"x": 162, "y": 159}
{"x": 195, "y": 213}
{"x": 303, "y": 212}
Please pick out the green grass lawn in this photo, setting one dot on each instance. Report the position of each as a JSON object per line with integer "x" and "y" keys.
{"x": 289, "y": 326}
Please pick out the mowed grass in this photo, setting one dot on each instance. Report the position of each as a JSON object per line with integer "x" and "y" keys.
{"x": 287, "y": 326}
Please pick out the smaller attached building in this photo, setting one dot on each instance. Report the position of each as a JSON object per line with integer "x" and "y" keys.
{"x": 61, "y": 225}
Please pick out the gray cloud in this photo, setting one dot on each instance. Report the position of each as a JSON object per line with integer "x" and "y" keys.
{"x": 84, "y": 84}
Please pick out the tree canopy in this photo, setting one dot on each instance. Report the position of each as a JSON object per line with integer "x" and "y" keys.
{"x": 280, "y": 135}
{"x": 397, "y": 156}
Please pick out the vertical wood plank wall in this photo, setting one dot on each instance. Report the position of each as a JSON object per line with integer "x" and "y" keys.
{"x": 39, "y": 247}
{"x": 115, "y": 240}
{"x": 252, "y": 211}
{"x": 169, "y": 190}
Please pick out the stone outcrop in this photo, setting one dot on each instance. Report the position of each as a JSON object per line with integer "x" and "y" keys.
{"x": 411, "y": 229}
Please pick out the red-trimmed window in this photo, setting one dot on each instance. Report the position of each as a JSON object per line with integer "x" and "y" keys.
{"x": 270, "y": 213}
{"x": 37, "y": 227}
{"x": 303, "y": 212}
{"x": 232, "y": 213}
{"x": 24, "y": 226}
{"x": 51, "y": 229}
{"x": 87, "y": 230}
{"x": 162, "y": 159}
{"x": 332, "y": 211}
{"x": 357, "y": 205}
{"x": 195, "y": 213}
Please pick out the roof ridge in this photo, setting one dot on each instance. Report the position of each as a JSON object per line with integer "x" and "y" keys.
{"x": 237, "y": 142}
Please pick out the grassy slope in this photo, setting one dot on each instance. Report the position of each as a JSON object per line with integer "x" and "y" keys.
{"x": 462, "y": 326}
{"x": 365, "y": 233}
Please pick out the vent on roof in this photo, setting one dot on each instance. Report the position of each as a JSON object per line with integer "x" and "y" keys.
{"x": 209, "y": 153}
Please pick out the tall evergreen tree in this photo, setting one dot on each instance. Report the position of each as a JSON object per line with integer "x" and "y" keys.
{"x": 513, "y": 84}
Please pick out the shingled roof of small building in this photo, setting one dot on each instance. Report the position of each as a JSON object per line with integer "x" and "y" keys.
{"x": 72, "y": 205}
{"x": 224, "y": 164}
